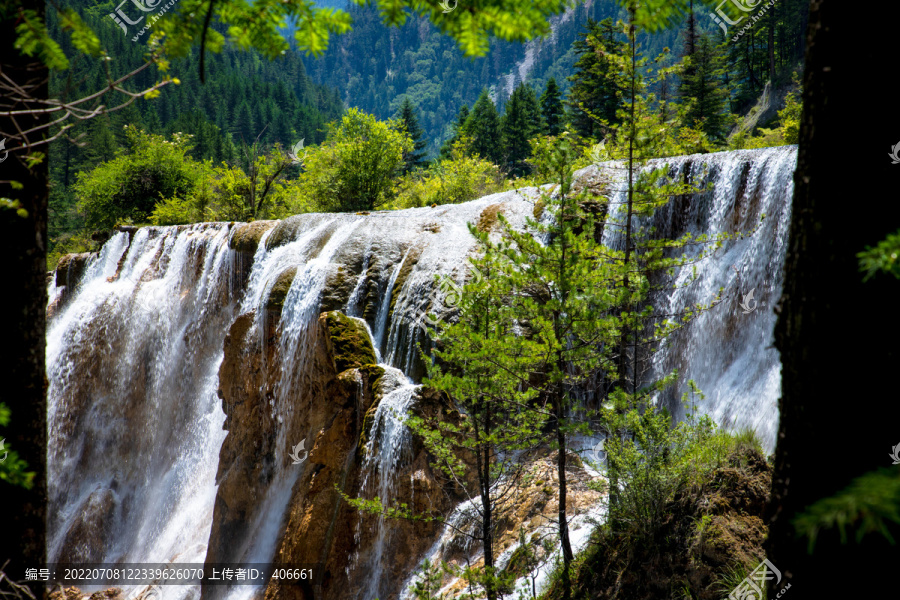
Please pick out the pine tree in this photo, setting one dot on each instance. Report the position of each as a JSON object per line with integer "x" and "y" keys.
{"x": 478, "y": 366}
{"x": 645, "y": 263}
{"x": 101, "y": 145}
{"x": 406, "y": 116}
{"x": 596, "y": 85}
{"x": 457, "y": 131}
{"x": 521, "y": 122}
{"x": 244, "y": 125}
{"x": 483, "y": 126}
{"x": 702, "y": 89}
{"x": 552, "y": 108}
{"x": 562, "y": 296}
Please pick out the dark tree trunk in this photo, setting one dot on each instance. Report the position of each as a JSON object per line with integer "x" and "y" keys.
{"x": 837, "y": 335}
{"x": 772, "y": 47}
{"x": 24, "y": 252}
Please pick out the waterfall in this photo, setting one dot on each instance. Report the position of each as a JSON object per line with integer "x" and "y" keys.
{"x": 135, "y": 347}
{"x": 729, "y": 349}
{"x": 134, "y": 420}
{"x": 384, "y": 452}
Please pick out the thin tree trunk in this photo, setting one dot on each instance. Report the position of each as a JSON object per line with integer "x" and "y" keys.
{"x": 22, "y": 370}
{"x": 566, "y": 545}
{"x": 559, "y": 407}
{"x": 482, "y": 463}
{"x": 772, "y": 48}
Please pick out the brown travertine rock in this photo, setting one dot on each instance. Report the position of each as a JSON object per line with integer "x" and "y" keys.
{"x": 279, "y": 291}
{"x": 71, "y": 267}
{"x": 88, "y": 535}
{"x": 74, "y": 593}
{"x": 322, "y": 528}
{"x": 339, "y": 385}
{"x": 246, "y": 236}
{"x": 69, "y": 271}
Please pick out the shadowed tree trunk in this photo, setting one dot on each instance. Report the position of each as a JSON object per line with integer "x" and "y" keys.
{"x": 24, "y": 252}
{"x": 838, "y": 336}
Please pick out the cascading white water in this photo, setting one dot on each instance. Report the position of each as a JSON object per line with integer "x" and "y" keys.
{"x": 384, "y": 452}
{"x": 135, "y": 425}
{"x": 727, "y": 350}
{"x": 297, "y": 321}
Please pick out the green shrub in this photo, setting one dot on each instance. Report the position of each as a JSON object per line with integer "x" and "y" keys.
{"x": 354, "y": 168}
{"x": 449, "y": 181}
{"x": 127, "y": 188}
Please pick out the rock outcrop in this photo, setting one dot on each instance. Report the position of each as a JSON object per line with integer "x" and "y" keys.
{"x": 321, "y": 529}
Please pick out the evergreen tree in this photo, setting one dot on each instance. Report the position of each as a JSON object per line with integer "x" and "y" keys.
{"x": 478, "y": 366}
{"x": 690, "y": 33}
{"x": 552, "y": 109}
{"x": 521, "y": 122}
{"x": 594, "y": 95}
{"x": 645, "y": 262}
{"x": 244, "y": 127}
{"x": 101, "y": 143}
{"x": 483, "y": 127}
{"x": 406, "y": 117}
{"x": 702, "y": 89}
{"x": 457, "y": 131}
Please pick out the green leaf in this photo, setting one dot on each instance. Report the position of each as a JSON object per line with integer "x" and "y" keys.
{"x": 83, "y": 37}
{"x": 34, "y": 39}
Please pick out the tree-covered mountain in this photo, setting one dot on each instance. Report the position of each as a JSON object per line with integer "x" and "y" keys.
{"x": 375, "y": 66}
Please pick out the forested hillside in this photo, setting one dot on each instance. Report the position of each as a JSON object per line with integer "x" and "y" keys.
{"x": 375, "y": 66}
{"x": 244, "y": 96}
{"x": 491, "y": 107}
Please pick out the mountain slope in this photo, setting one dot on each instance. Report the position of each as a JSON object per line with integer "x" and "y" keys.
{"x": 374, "y": 66}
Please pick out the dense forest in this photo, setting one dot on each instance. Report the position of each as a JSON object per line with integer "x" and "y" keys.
{"x": 443, "y": 97}
{"x": 375, "y": 66}
{"x": 561, "y": 294}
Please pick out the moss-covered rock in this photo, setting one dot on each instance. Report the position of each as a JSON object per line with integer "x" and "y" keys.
{"x": 246, "y": 236}
{"x": 283, "y": 233}
{"x": 71, "y": 268}
{"x": 374, "y": 374}
{"x": 287, "y": 230}
{"x": 339, "y": 284}
{"x": 538, "y": 211}
{"x": 706, "y": 532}
{"x": 488, "y": 217}
{"x": 279, "y": 290}
{"x": 412, "y": 258}
{"x": 350, "y": 345}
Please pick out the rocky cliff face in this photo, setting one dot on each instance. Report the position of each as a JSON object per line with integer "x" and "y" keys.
{"x": 187, "y": 365}
{"x": 321, "y": 529}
